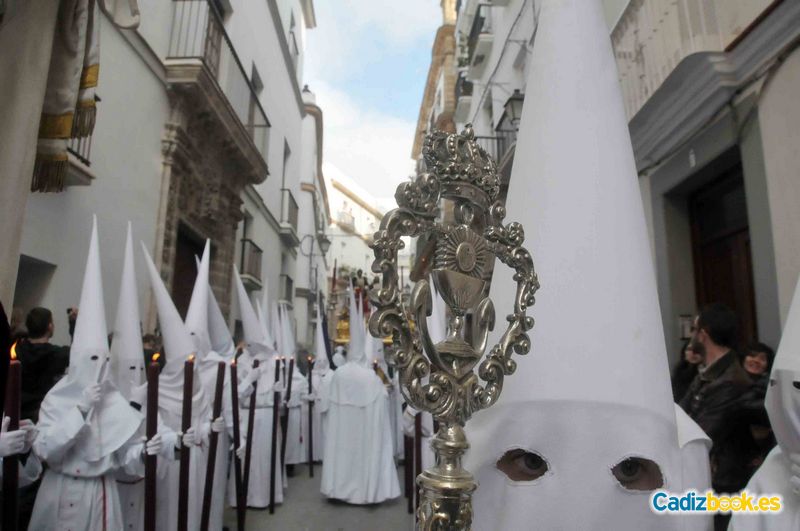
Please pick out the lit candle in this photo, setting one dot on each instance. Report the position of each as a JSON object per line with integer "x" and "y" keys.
{"x": 186, "y": 423}
{"x": 11, "y": 462}
{"x": 241, "y": 503}
{"x": 151, "y": 428}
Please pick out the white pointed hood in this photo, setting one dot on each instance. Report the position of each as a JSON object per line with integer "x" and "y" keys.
{"x": 218, "y": 331}
{"x": 112, "y": 422}
{"x": 253, "y": 333}
{"x": 594, "y": 391}
{"x": 197, "y": 314}
{"x": 288, "y": 345}
{"x": 89, "y": 350}
{"x": 356, "y": 349}
{"x": 127, "y": 353}
{"x": 783, "y": 394}
{"x": 262, "y": 309}
{"x": 178, "y": 346}
{"x": 276, "y": 327}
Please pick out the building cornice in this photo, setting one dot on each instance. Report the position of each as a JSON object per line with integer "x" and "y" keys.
{"x": 443, "y": 45}
{"x": 704, "y": 83}
{"x": 360, "y": 202}
{"x": 287, "y": 56}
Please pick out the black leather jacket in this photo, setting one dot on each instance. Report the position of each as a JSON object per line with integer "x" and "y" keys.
{"x": 714, "y": 401}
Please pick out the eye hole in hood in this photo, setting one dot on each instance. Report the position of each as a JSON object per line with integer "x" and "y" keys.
{"x": 638, "y": 473}
{"x": 522, "y": 465}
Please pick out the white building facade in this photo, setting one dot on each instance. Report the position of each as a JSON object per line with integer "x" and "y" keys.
{"x": 199, "y": 135}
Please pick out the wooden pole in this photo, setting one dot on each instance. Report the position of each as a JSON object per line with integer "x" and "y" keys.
{"x": 310, "y": 422}
{"x": 286, "y": 417}
{"x": 241, "y": 500}
{"x": 151, "y": 461}
{"x": 417, "y": 454}
{"x": 186, "y": 423}
{"x": 213, "y": 442}
{"x": 273, "y": 451}
{"x": 408, "y": 471}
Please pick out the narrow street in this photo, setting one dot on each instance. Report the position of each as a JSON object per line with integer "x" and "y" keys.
{"x": 305, "y": 509}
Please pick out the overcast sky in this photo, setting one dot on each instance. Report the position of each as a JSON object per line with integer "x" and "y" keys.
{"x": 367, "y": 61}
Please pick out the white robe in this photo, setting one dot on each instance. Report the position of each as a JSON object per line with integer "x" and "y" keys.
{"x": 358, "y": 465}
{"x": 771, "y": 478}
{"x": 409, "y": 425}
{"x": 77, "y": 494}
{"x": 208, "y": 376}
{"x": 296, "y": 436}
{"x": 258, "y": 488}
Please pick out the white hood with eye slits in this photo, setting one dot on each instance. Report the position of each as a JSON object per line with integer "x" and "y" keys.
{"x": 594, "y": 391}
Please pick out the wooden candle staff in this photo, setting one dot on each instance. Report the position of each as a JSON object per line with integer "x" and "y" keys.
{"x": 11, "y": 462}
{"x": 273, "y": 451}
{"x": 213, "y": 442}
{"x": 151, "y": 429}
{"x": 241, "y": 502}
{"x": 248, "y": 449}
{"x": 286, "y": 416}
{"x": 310, "y": 421}
{"x": 186, "y": 423}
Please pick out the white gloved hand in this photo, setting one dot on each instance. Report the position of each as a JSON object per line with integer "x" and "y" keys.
{"x": 138, "y": 393}
{"x": 241, "y": 450}
{"x": 794, "y": 459}
{"x": 31, "y": 432}
{"x": 218, "y": 425}
{"x": 190, "y": 438}
{"x": 11, "y": 442}
{"x": 277, "y": 387}
{"x": 310, "y": 397}
{"x": 154, "y": 445}
{"x": 89, "y": 398}
{"x": 251, "y": 377}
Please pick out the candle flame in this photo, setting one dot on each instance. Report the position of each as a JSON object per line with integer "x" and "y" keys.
{"x": 156, "y": 356}
{"x": 191, "y": 358}
{"x": 233, "y": 363}
{"x": 309, "y": 358}
{"x": 14, "y": 351}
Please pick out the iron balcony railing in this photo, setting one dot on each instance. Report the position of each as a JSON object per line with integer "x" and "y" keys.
{"x": 198, "y": 32}
{"x": 287, "y": 288}
{"x": 347, "y": 219}
{"x": 289, "y": 209}
{"x": 463, "y": 86}
{"x": 497, "y": 145}
{"x": 251, "y": 259}
{"x": 481, "y": 24}
{"x": 81, "y": 148}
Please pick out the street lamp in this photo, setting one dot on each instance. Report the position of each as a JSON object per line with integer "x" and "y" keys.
{"x": 512, "y": 110}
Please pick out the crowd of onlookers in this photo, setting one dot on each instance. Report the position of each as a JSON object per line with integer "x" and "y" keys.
{"x": 722, "y": 387}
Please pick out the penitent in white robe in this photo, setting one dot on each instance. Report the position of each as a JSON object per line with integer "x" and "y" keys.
{"x": 258, "y": 488}
{"x": 296, "y": 436}
{"x": 771, "y": 478}
{"x": 208, "y": 376}
{"x": 75, "y": 493}
{"x": 358, "y": 465}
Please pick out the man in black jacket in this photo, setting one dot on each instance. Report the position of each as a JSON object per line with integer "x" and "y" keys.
{"x": 42, "y": 362}
{"x": 714, "y": 400}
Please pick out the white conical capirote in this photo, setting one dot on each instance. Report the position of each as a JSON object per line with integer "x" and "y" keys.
{"x": 574, "y": 187}
{"x": 276, "y": 328}
{"x": 437, "y": 322}
{"x": 218, "y": 331}
{"x": 127, "y": 358}
{"x": 253, "y": 333}
{"x": 91, "y": 333}
{"x": 263, "y": 315}
{"x": 788, "y": 355}
{"x": 197, "y": 315}
{"x": 288, "y": 345}
{"x": 356, "y": 352}
{"x": 178, "y": 344}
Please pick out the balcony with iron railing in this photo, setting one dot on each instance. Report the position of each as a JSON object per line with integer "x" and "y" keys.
{"x": 250, "y": 266}
{"x": 202, "y": 63}
{"x": 652, "y": 37}
{"x": 497, "y": 146}
{"x": 479, "y": 41}
{"x": 346, "y": 220}
{"x": 463, "y": 97}
{"x": 288, "y": 221}
{"x": 286, "y": 293}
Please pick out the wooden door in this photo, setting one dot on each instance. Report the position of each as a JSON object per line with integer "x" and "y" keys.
{"x": 185, "y": 271}
{"x": 721, "y": 245}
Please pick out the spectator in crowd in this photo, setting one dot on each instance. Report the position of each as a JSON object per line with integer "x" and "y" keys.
{"x": 685, "y": 371}
{"x": 713, "y": 401}
{"x": 757, "y": 362}
{"x": 17, "y": 324}
{"x": 44, "y": 362}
